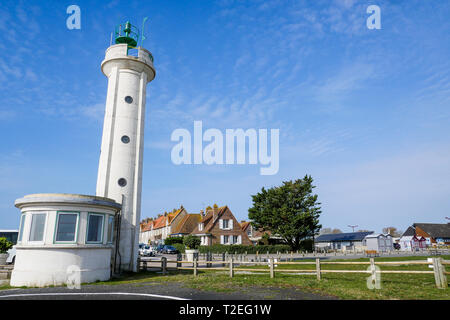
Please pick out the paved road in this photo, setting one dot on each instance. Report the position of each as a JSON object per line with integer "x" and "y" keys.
{"x": 153, "y": 291}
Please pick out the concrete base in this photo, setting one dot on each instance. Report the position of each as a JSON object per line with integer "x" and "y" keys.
{"x": 40, "y": 267}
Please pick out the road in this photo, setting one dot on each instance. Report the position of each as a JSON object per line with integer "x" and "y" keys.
{"x": 154, "y": 291}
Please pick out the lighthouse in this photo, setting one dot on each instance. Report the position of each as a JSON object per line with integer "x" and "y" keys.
{"x": 121, "y": 156}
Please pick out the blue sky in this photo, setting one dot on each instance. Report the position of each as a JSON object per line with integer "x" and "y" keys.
{"x": 365, "y": 112}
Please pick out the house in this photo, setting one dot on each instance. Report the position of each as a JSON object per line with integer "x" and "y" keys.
{"x": 410, "y": 243}
{"x": 342, "y": 241}
{"x": 379, "y": 242}
{"x": 186, "y": 225}
{"x": 156, "y": 230}
{"x": 255, "y": 235}
{"x": 219, "y": 226}
{"x": 434, "y": 233}
{"x": 421, "y": 235}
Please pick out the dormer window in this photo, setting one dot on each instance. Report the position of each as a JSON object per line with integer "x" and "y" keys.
{"x": 200, "y": 227}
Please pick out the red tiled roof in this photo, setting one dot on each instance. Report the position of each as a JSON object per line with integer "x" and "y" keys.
{"x": 159, "y": 223}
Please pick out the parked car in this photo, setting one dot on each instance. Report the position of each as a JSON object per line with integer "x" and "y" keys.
{"x": 159, "y": 248}
{"x": 169, "y": 249}
{"x": 146, "y": 251}
{"x": 11, "y": 255}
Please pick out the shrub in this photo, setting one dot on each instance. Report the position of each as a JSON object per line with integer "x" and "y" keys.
{"x": 5, "y": 245}
{"x": 179, "y": 246}
{"x": 173, "y": 240}
{"x": 191, "y": 242}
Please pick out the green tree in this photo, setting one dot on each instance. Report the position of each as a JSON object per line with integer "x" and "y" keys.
{"x": 5, "y": 245}
{"x": 191, "y": 241}
{"x": 290, "y": 211}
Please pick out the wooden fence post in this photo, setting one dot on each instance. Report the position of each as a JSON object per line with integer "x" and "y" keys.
{"x": 373, "y": 272}
{"x": 318, "y": 273}
{"x": 195, "y": 266}
{"x": 442, "y": 275}
{"x": 164, "y": 265}
{"x": 272, "y": 272}
{"x": 231, "y": 267}
{"x": 439, "y": 275}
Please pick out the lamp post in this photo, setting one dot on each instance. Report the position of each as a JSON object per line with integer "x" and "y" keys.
{"x": 353, "y": 227}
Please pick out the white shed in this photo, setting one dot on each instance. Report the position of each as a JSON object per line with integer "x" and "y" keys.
{"x": 379, "y": 242}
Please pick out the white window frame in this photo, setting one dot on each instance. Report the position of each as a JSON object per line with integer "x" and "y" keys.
{"x": 200, "y": 227}
{"x": 23, "y": 218}
{"x": 31, "y": 226}
{"x": 58, "y": 213}
{"x": 102, "y": 228}
{"x": 110, "y": 224}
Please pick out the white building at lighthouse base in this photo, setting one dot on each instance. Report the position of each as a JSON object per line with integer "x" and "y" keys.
{"x": 64, "y": 238}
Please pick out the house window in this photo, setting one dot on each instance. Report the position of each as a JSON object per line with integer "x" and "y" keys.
{"x": 200, "y": 227}
{"x": 95, "y": 228}
{"x": 225, "y": 239}
{"x": 225, "y": 224}
{"x": 22, "y": 224}
{"x": 110, "y": 229}
{"x": 66, "y": 227}
{"x": 235, "y": 239}
{"x": 37, "y": 226}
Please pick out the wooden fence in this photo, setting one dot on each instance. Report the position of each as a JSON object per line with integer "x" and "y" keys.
{"x": 438, "y": 266}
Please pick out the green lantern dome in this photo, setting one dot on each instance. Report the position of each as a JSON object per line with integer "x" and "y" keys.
{"x": 127, "y": 33}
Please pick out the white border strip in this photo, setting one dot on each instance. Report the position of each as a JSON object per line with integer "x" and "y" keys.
{"x": 92, "y": 294}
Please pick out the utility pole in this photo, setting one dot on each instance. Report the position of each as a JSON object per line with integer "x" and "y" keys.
{"x": 353, "y": 227}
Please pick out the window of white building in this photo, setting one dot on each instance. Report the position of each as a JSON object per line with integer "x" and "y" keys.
{"x": 110, "y": 234}
{"x": 22, "y": 224}
{"x": 95, "y": 228}
{"x": 37, "y": 226}
{"x": 66, "y": 227}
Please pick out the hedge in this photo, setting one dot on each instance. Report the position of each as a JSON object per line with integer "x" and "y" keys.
{"x": 239, "y": 249}
{"x": 173, "y": 240}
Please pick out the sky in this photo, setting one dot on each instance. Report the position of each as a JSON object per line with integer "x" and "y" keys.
{"x": 365, "y": 112}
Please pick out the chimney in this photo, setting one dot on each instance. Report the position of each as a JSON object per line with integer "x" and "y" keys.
{"x": 215, "y": 212}
{"x": 202, "y": 213}
{"x": 243, "y": 221}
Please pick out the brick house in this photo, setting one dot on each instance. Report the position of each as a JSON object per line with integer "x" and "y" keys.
{"x": 219, "y": 226}
{"x": 155, "y": 230}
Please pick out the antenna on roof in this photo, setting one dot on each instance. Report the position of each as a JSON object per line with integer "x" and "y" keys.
{"x": 353, "y": 227}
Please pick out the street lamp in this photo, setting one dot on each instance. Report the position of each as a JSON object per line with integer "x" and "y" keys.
{"x": 353, "y": 227}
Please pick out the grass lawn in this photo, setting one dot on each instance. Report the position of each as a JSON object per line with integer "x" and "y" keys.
{"x": 341, "y": 285}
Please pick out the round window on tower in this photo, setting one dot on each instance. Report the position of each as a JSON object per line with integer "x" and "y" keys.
{"x": 125, "y": 139}
{"x": 128, "y": 99}
{"x": 122, "y": 182}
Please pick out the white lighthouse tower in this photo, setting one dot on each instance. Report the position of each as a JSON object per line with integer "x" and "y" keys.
{"x": 121, "y": 157}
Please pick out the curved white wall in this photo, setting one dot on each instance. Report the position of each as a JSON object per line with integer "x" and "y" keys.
{"x": 48, "y": 261}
